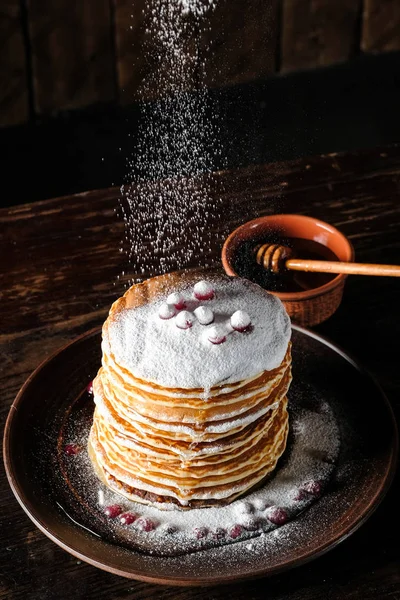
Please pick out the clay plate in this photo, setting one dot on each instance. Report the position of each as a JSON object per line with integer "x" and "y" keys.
{"x": 363, "y": 475}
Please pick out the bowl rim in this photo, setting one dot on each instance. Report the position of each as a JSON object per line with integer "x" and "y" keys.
{"x": 290, "y": 296}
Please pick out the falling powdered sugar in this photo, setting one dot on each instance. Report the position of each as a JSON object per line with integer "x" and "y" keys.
{"x": 168, "y": 202}
{"x": 196, "y": 7}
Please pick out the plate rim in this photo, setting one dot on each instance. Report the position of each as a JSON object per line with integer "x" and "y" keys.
{"x": 193, "y": 581}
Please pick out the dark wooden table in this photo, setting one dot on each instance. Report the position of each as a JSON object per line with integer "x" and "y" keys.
{"x": 59, "y": 268}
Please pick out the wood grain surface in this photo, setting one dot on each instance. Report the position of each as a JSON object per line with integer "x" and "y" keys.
{"x": 239, "y": 41}
{"x": 59, "y": 269}
{"x": 317, "y": 33}
{"x": 381, "y": 26}
{"x": 72, "y": 60}
{"x": 132, "y": 63}
{"x": 146, "y": 68}
{"x": 14, "y": 79}
{"x": 58, "y": 55}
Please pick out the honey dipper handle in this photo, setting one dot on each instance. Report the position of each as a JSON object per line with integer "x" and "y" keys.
{"x": 326, "y": 266}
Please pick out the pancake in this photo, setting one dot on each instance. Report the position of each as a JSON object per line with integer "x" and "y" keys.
{"x": 193, "y": 416}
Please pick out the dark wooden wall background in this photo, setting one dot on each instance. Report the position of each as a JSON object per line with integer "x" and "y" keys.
{"x": 59, "y": 55}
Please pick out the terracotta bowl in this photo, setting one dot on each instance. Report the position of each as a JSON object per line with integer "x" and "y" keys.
{"x": 311, "y": 306}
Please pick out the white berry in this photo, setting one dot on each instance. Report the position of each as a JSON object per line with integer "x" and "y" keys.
{"x": 216, "y": 335}
{"x": 184, "y": 319}
{"x": 204, "y": 315}
{"x": 261, "y": 503}
{"x": 203, "y": 290}
{"x": 240, "y": 320}
{"x": 244, "y": 508}
{"x": 176, "y": 299}
{"x": 166, "y": 311}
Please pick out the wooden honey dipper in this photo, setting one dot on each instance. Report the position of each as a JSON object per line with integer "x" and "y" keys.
{"x": 277, "y": 258}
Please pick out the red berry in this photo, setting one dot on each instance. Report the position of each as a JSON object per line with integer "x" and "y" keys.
{"x": 312, "y": 487}
{"x": 300, "y": 495}
{"x": 113, "y": 511}
{"x": 166, "y": 311}
{"x": 235, "y": 531}
{"x": 261, "y": 503}
{"x": 217, "y": 341}
{"x": 169, "y": 528}
{"x": 219, "y": 533}
{"x": 277, "y": 515}
{"x": 240, "y": 321}
{"x": 246, "y": 508}
{"x": 216, "y": 335}
{"x": 145, "y": 524}
{"x": 176, "y": 299}
{"x": 89, "y": 388}
{"x": 253, "y": 523}
{"x": 203, "y": 291}
{"x": 243, "y": 329}
{"x": 206, "y": 296}
{"x": 127, "y": 518}
{"x": 200, "y": 532}
{"x": 72, "y": 449}
{"x": 184, "y": 320}
{"x": 204, "y": 315}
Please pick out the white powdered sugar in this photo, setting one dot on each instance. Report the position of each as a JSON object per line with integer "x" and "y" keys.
{"x": 158, "y": 350}
{"x": 301, "y": 479}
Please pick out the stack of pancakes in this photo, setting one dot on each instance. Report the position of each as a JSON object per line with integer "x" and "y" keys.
{"x": 190, "y": 445}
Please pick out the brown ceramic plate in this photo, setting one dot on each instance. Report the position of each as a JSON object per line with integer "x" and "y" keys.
{"x": 363, "y": 473}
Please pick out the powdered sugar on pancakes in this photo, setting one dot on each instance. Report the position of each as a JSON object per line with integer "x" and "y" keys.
{"x": 157, "y": 350}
